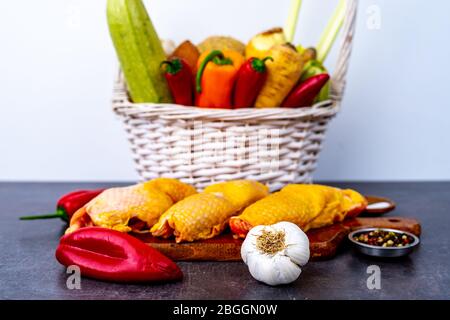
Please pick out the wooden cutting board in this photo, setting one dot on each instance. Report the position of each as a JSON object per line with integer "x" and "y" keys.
{"x": 323, "y": 242}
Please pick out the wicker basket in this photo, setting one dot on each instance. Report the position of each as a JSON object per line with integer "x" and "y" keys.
{"x": 201, "y": 146}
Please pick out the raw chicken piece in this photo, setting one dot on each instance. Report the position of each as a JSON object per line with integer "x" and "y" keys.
{"x": 200, "y": 216}
{"x": 308, "y": 206}
{"x": 331, "y": 201}
{"x": 205, "y": 215}
{"x": 241, "y": 193}
{"x": 133, "y": 208}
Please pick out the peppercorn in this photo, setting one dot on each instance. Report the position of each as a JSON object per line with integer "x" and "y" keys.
{"x": 383, "y": 238}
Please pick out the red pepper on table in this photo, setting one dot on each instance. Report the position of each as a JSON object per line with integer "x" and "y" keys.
{"x": 111, "y": 255}
{"x": 68, "y": 204}
{"x": 250, "y": 79}
{"x": 303, "y": 95}
{"x": 180, "y": 80}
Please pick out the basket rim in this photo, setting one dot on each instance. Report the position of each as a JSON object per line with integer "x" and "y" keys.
{"x": 123, "y": 106}
{"x": 174, "y": 111}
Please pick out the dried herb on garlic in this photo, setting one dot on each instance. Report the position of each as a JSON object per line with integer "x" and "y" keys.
{"x": 274, "y": 254}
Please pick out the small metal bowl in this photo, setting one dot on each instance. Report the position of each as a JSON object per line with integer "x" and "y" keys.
{"x": 389, "y": 252}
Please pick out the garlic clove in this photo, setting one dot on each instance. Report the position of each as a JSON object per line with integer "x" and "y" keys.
{"x": 299, "y": 254}
{"x": 258, "y": 265}
{"x": 249, "y": 254}
{"x": 273, "y": 269}
{"x": 297, "y": 244}
{"x": 286, "y": 270}
{"x": 298, "y": 250}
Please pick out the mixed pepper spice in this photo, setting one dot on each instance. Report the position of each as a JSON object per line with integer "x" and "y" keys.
{"x": 383, "y": 238}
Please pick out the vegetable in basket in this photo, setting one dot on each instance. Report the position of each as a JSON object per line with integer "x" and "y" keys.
{"x": 189, "y": 53}
{"x": 306, "y": 92}
{"x": 68, "y": 204}
{"x": 179, "y": 77}
{"x": 308, "y": 54}
{"x": 139, "y": 50}
{"x": 331, "y": 31}
{"x": 110, "y": 255}
{"x": 313, "y": 68}
{"x": 251, "y": 77}
{"x": 260, "y": 44}
{"x": 283, "y": 74}
{"x": 168, "y": 46}
{"x": 216, "y": 75}
{"x": 292, "y": 20}
{"x": 221, "y": 43}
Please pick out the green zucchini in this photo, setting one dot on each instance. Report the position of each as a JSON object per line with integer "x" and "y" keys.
{"x": 139, "y": 51}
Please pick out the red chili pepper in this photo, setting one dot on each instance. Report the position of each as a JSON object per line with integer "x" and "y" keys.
{"x": 180, "y": 80}
{"x": 303, "y": 95}
{"x": 68, "y": 204}
{"x": 250, "y": 79}
{"x": 111, "y": 255}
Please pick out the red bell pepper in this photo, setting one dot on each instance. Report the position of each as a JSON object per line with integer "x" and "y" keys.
{"x": 250, "y": 79}
{"x": 303, "y": 95}
{"x": 110, "y": 255}
{"x": 68, "y": 204}
{"x": 180, "y": 80}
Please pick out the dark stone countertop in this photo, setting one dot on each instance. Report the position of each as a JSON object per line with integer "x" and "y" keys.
{"x": 28, "y": 269}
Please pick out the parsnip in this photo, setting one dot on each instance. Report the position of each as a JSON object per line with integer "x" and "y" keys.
{"x": 308, "y": 54}
{"x": 283, "y": 74}
{"x": 260, "y": 44}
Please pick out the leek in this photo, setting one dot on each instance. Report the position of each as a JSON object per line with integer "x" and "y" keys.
{"x": 331, "y": 31}
{"x": 291, "y": 23}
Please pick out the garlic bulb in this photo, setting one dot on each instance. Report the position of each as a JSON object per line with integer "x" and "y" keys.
{"x": 274, "y": 254}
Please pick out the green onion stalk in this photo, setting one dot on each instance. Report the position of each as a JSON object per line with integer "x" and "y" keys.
{"x": 331, "y": 31}
{"x": 291, "y": 23}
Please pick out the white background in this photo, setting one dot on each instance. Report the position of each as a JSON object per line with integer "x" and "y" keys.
{"x": 57, "y": 67}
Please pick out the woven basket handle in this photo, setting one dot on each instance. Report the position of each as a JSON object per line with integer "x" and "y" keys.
{"x": 342, "y": 64}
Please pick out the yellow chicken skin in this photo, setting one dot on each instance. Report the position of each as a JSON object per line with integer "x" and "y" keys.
{"x": 241, "y": 193}
{"x": 200, "y": 216}
{"x": 174, "y": 188}
{"x": 133, "y": 208}
{"x": 308, "y": 206}
{"x": 331, "y": 202}
{"x": 205, "y": 215}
